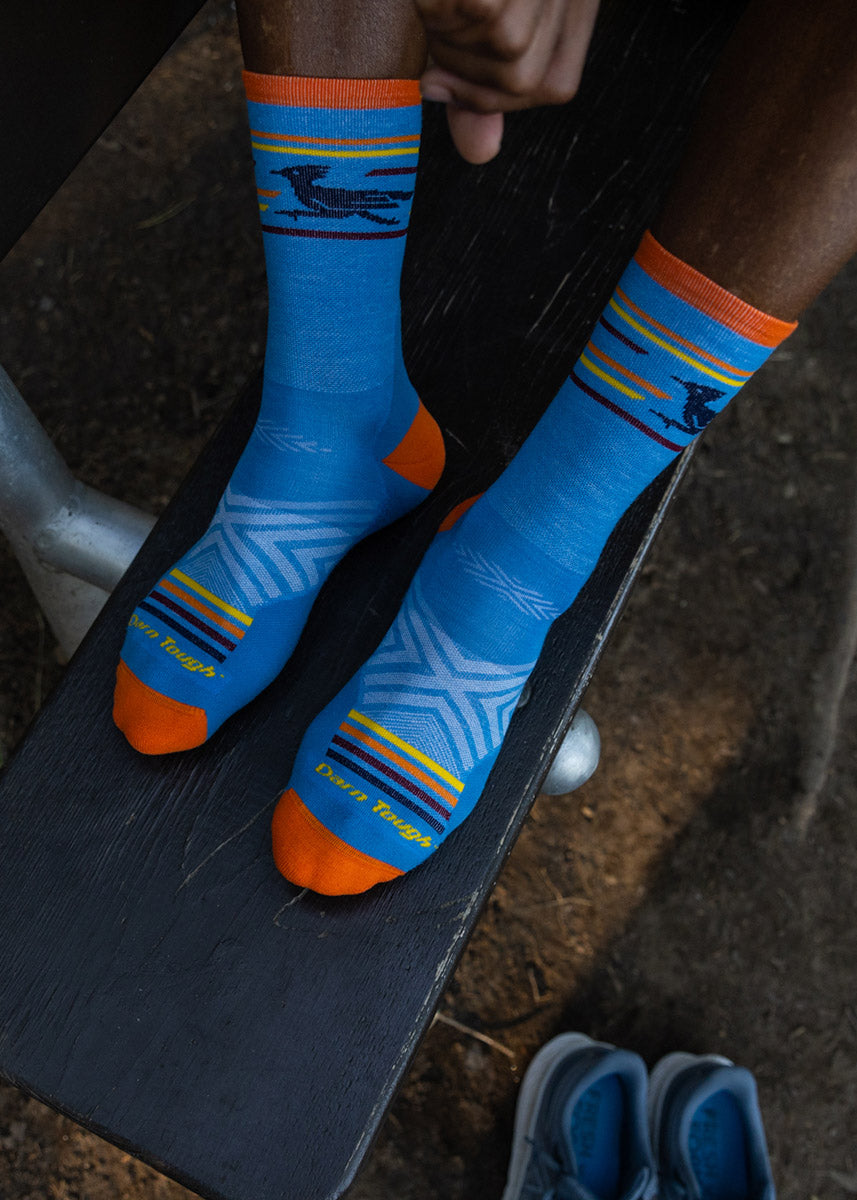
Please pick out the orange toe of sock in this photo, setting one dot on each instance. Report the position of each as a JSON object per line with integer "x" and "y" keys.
{"x": 153, "y": 723}
{"x": 310, "y": 856}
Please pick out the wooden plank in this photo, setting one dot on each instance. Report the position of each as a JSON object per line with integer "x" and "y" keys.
{"x": 67, "y": 70}
{"x": 161, "y": 983}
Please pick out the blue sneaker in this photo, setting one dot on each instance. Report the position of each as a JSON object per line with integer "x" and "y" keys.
{"x": 707, "y": 1130}
{"x": 580, "y": 1125}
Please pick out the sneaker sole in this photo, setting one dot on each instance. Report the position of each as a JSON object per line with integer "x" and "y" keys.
{"x": 530, "y": 1099}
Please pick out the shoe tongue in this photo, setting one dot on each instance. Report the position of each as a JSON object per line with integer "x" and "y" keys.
{"x": 569, "y": 1186}
{"x": 617, "y": 1062}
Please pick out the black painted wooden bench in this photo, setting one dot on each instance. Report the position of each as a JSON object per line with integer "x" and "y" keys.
{"x": 160, "y": 983}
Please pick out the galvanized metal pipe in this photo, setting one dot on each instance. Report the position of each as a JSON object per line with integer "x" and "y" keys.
{"x": 73, "y": 543}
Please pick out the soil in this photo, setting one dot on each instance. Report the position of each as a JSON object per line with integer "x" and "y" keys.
{"x": 697, "y": 893}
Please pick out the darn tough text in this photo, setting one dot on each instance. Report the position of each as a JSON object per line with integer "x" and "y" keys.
{"x": 172, "y": 647}
{"x": 381, "y": 808}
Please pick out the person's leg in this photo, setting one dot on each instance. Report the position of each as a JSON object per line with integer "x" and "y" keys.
{"x": 332, "y": 39}
{"x": 342, "y": 444}
{"x": 764, "y": 198}
{"x": 760, "y": 218}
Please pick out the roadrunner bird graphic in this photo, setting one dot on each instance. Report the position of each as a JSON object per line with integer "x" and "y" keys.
{"x": 696, "y": 411}
{"x": 337, "y": 202}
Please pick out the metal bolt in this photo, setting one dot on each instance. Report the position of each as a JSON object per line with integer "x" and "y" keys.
{"x": 576, "y": 759}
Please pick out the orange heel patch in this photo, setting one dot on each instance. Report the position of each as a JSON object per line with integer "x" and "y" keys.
{"x": 455, "y": 514}
{"x": 153, "y": 723}
{"x": 310, "y": 856}
{"x": 420, "y": 455}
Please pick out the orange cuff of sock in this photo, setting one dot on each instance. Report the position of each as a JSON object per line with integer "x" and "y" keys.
{"x": 305, "y": 92}
{"x": 695, "y": 288}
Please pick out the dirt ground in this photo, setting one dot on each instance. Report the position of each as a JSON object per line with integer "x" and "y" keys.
{"x": 698, "y": 892}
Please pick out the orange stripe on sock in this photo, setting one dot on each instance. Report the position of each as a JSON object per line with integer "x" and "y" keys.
{"x": 263, "y": 192}
{"x": 709, "y": 297}
{"x": 303, "y": 92}
{"x": 420, "y": 455}
{"x": 208, "y": 613}
{"x": 310, "y": 141}
{"x": 670, "y": 333}
{"x": 614, "y": 366}
{"x": 391, "y": 756}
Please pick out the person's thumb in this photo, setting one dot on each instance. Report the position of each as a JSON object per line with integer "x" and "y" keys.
{"x": 477, "y": 136}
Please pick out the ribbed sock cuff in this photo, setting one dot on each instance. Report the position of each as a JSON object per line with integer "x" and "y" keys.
{"x": 709, "y": 297}
{"x": 304, "y": 92}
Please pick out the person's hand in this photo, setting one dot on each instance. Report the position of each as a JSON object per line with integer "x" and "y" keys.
{"x": 488, "y": 57}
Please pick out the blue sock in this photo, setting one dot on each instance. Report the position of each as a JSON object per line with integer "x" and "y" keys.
{"x": 401, "y": 756}
{"x": 342, "y": 444}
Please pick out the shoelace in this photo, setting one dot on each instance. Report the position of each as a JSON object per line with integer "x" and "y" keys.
{"x": 550, "y": 1181}
{"x": 673, "y": 1189}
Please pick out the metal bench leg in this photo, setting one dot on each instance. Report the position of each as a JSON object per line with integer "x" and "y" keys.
{"x": 73, "y": 543}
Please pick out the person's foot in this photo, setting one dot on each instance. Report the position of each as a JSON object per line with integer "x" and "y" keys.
{"x": 435, "y": 699}
{"x": 400, "y": 757}
{"x": 342, "y": 444}
{"x": 223, "y": 622}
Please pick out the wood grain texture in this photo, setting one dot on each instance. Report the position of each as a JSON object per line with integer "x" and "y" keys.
{"x": 67, "y": 69}
{"x": 161, "y": 984}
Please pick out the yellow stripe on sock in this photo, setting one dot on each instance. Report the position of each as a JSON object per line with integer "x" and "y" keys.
{"x": 672, "y": 350}
{"x": 233, "y": 612}
{"x": 305, "y": 150}
{"x": 620, "y": 387}
{"x": 402, "y": 745}
{"x": 334, "y": 141}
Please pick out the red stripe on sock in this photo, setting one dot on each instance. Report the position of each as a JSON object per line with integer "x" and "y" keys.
{"x": 344, "y": 236}
{"x": 626, "y": 416}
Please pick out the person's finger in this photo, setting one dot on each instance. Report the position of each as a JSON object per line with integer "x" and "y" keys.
{"x": 514, "y": 63}
{"x": 477, "y": 136}
{"x": 449, "y": 89}
{"x": 451, "y": 17}
{"x": 504, "y": 34}
{"x": 562, "y": 78}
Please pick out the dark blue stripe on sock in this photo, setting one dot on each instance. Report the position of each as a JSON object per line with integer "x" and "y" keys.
{"x": 191, "y": 637}
{"x": 197, "y": 622}
{"x": 626, "y": 340}
{"x": 378, "y": 764}
{"x": 431, "y": 821}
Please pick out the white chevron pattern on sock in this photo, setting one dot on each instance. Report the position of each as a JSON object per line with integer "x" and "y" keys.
{"x": 280, "y": 437}
{"x": 424, "y": 688}
{"x": 493, "y": 577}
{"x": 259, "y": 550}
